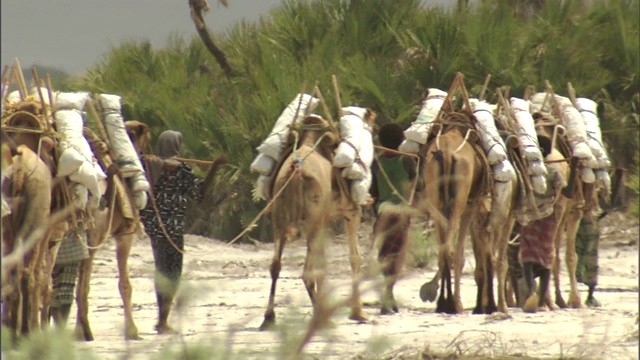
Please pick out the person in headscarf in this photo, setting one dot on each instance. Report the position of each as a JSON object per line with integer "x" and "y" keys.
{"x": 173, "y": 183}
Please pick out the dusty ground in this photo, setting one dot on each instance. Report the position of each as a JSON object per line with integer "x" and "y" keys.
{"x": 227, "y": 288}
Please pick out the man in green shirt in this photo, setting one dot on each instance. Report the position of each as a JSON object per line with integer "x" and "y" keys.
{"x": 392, "y": 178}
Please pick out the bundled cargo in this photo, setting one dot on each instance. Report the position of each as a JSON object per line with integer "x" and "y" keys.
{"x": 540, "y": 103}
{"x": 588, "y": 110}
{"x": 526, "y": 131}
{"x": 360, "y": 188}
{"x": 490, "y": 139}
{"x": 353, "y": 129}
{"x": 529, "y": 146}
{"x": 272, "y": 148}
{"x": 76, "y": 158}
{"x": 274, "y": 145}
{"x": 502, "y": 194}
{"x": 419, "y": 130}
{"x": 576, "y": 132}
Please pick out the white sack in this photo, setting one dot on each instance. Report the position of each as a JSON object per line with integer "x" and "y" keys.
{"x": 540, "y": 103}
{"x": 502, "y": 194}
{"x": 87, "y": 176}
{"x": 71, "y": 101}
{"x": 75, "y": 150}
{"x": 503, "y": 171}
{"x": 263, "y": 186}
{"x": 539, "y": 183}
{"x": 587, "y": 175}
{"x": 274, "y": 144}
{"x": 123, "y": 149}
{"x": 263, "y": 164}
{"x": 418, "y": 132}
{"x": 139, "y": 182}
{"x": 352, "y": 129}
{"x": 79, "y": 195}
{"x": 360, "y": 189}
{"x": 13, "y": 97}
{"x": 419, "y": 129}
{"x": 140, "y": 199}
{"x": 490, "y": 139}
{"x": 603, "y": 180}
{"x": 588, "y": 109}
{"x": 409, "y": 146}
{"x": 526, "y": 130}
{"x": 577, "y": 133}
{"x": 536, "y": 167}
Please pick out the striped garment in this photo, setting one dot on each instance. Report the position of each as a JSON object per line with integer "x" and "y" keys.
{"x": 536, "y": 242}
{"x": 64, "y": 281}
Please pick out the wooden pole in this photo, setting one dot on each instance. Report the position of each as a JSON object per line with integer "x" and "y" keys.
{"x": 6, "y": 80}
{"x": 36, "y": 79}
{"x": 336, "y": 90}
{"x": 325, "y": 109}
{"x": 22, "y": 85}
{"x": 484, "y": 87}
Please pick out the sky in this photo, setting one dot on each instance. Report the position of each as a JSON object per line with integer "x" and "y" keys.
{"x": 72, "y": 35}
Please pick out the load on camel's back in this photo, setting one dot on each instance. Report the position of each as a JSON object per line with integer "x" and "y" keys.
{"x": 317, "y": 173}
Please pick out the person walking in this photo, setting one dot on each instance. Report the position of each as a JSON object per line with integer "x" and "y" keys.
{"x": 173, "y": 183}
{"x": 392, "y": 177}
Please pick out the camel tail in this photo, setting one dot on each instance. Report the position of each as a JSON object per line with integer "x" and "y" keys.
{"x": 447, "y": 183}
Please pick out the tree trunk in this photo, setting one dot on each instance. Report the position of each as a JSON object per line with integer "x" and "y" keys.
{"x": 197, "y": 7}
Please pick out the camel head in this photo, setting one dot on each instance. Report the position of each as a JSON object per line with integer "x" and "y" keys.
{"x": 26, "y": 117}
{"x": 140, "y": 135}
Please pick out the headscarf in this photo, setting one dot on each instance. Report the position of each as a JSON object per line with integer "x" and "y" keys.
{"x": 169, "y": 143}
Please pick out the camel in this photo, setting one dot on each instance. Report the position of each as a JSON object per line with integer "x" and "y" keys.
{"x": 578, "y": 199}
{"x": 457, "y": 195}
{"x": 120, "y": 220}
{"x": 312, "y": 193}
{"x": 26, "y": 226}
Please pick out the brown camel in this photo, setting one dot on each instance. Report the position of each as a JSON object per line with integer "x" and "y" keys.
{"x": 118, "y": 219}
{"x": 26, "y": 226}
{"x": 457, "y": 196}
{"x": 578, "y": 199}
{"x": 312, "y": 192}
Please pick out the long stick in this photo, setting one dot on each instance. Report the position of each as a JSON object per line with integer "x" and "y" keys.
{"x": 98, "y": 121}
{"x": 50, "y": 91}
{"x": 5, "y": 70}
{"x": 36, "y": 79}
{"x": 6, "y": 81}
{"x": 186, "y": 160}
{"x": 572, "y": 93}
{"x": 22, "y": 85}
{"x": 324, "y": 108}
{"x": 303, "y": 89}
{"x": 484, "y": 87}
{"x": 336, "y": 90}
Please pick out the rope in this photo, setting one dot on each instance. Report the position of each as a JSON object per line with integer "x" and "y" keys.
{"x": 156, "y": 212}
{"x": 266, "y": 208}
{"x": 109, "y": 224}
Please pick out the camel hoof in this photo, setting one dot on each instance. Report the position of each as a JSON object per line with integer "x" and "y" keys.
{"x": 81, "y": 335}
{"x": 267, "y": 324}
{"x": 560, "y": 302}
{"x": 388, "y": 310}
{"x": 164, "y": 330}
{"x": 574, "y": 302}
{"x": 359, "y": 316}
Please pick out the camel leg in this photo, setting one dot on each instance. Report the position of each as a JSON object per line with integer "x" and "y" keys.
{"x": 543, "y": 289}
{"x": 276, "y": 264}
{"x": 555, "y": 266}
{"x": 502, "y": 241}
{"x": 315, "y": 262}
{"x": 123, "y": 246}
{"x": 571, "y": 258}
{"x": 444, "y": 269}
{"x": 83, "y": 329}
{"x": 531, "y": 304}
{"x": 462, "y": 223}
{"x": 355, "y": 259}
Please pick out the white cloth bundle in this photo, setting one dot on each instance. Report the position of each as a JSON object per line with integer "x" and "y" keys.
{"x": 588, "y": 109}
{"x": 526, "y": 130}
{"x": 360, "y": 189}
{"x": 419, "y": 129}
{"x": 500, "y": 203}
{"x": 263, "y": 186}
{"x": 76, "y": 158}
{"x": 576, "y": 132}
{"x": 603, "y": 180}
{"x": 540, "y": 102}
{"x": 409, "y": 146}
{"x": 539, "y": 183}
{"x": 536, "y": 167}
{"x": 126, "y": 155}
{"x": 587, "y": 175}
{"x": 273, "y": 145}
{"x": 359, "y": 169}
{"x": 503, "y": 171}
{"x": 490, "y": 139}
{"x": 352, "y": 128}
{"x": 263, "y": 164}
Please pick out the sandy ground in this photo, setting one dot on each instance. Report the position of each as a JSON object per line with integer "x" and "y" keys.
{"x": 226, "y": 289}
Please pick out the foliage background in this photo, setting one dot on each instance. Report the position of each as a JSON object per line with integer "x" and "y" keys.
{"x": 385, "y": 54}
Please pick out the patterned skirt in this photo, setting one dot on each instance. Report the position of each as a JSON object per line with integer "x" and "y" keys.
{"x": 536, "y": 242}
